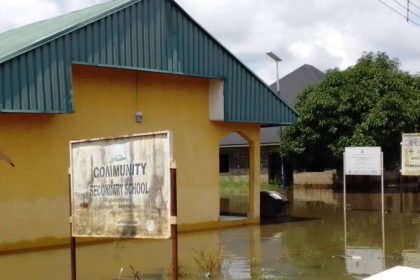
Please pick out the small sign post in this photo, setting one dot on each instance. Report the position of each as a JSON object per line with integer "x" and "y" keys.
{"x": 410, "y": 154}
{"x": 363, "y": 161}
{"x": 121, "y": 188}
{"x": 72, "y": 240}
{"x": 174, "y": 224}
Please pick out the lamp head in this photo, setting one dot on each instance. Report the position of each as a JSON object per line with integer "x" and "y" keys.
{"x": 274, "y": 56}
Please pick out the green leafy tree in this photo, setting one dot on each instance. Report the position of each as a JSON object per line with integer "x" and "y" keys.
{"x": 369, "y": 104}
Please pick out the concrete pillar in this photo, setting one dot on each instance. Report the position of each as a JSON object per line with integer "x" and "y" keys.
{"x": 254, "y": 179}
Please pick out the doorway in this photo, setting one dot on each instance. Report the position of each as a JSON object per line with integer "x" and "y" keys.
{"x": 234, "y": 176}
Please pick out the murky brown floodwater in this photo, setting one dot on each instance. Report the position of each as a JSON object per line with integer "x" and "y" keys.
{"x": 310, "y": 245}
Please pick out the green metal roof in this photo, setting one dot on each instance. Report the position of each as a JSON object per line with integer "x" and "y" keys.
{"x": 17, "y": 41}
{"x": 152, "y": 35}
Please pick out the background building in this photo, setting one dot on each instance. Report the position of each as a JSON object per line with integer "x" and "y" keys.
{"x": 234, "y": 148}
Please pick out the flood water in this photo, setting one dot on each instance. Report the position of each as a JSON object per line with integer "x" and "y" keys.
{"x": 310, "y": 244}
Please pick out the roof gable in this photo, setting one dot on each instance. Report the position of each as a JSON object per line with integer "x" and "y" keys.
{"x": 152, "y": 35}
{"x": 294, "y": 83}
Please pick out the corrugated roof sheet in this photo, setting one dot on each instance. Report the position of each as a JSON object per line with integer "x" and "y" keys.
{"x": 152, "y": 35}
{"x": 291, "y": 86}
{"x": 19, "y": 40}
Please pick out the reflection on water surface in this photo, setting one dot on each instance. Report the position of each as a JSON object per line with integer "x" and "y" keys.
{"x": 308, "y": 245}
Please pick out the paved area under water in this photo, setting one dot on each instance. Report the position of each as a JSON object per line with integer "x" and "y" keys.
{"x": 310, "y": 244}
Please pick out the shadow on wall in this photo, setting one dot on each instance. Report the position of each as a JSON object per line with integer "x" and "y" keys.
{"x": 5, "y": 158}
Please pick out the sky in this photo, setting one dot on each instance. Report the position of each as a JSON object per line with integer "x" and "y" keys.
{"x": 324, "y": 33}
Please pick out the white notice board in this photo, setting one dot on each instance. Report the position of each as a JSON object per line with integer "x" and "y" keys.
{"x": 362, "y": 161}
{"x": 120, "y": 187}
{"x": 410, "y": 154}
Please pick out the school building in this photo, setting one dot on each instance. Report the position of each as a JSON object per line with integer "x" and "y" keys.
{"x": 87, "y": 74}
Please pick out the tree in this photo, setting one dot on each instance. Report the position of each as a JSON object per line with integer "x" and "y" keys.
{"x": 369, "y": 104}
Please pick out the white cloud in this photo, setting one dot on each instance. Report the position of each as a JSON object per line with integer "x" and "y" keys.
{"x": 21, "y": 12}
{"x": 73, "y": 5}
{"x": 17, "y": 13}
{"x": 324, "y": 33}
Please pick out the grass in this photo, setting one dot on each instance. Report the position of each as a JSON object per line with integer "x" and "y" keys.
{"x": 239, "y": 186}
{"x": 210, "y": 261}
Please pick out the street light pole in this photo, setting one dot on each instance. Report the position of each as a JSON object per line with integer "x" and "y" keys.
{"x": 282, "y": 171}
{"x": 277, "y": 60}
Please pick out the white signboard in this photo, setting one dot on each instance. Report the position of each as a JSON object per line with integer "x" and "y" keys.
{"x": 410, "y": 154}
{"x": 362, "y": 160}
{"x": 120, "y": 187}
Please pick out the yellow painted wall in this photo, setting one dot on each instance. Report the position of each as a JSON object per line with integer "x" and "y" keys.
{"x": 34, "y": 206}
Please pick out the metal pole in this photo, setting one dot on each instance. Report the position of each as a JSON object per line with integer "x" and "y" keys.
{"x": 174, "y": 225}
{"x": 277, "y": 60}
{"x": 344, "y": 203}
{"x": 400, "y": 180}
{"x": 72, "y": 239}
{"x": 383, "y": 209}
{"x": 278, "y": 81}
{"x": 282, "y": 171}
